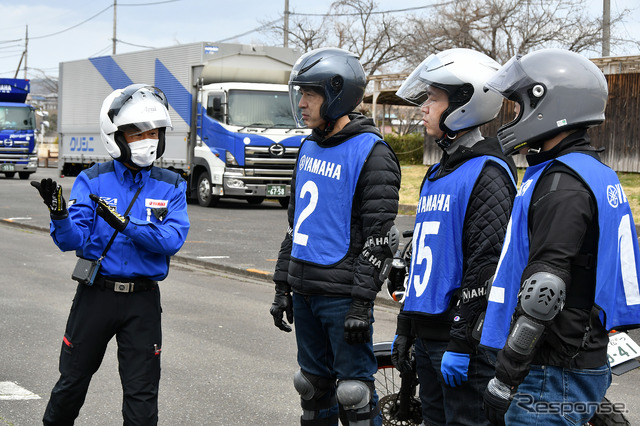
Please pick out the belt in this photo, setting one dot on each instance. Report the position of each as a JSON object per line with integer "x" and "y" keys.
{"x": 126, "y": 286}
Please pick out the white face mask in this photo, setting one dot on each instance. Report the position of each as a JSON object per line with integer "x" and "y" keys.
{"x": 143, "y": 152}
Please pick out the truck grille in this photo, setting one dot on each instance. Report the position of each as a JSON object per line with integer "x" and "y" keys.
{"x": 268, "y": 164}
{"x": 14, "y": 154}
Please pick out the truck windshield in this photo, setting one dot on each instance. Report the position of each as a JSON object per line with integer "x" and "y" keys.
{"x": 17, "y": 118}
{"x": 260, "y": 108}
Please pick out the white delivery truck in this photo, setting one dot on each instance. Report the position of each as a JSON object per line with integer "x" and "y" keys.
{"x": 233, "y": 131}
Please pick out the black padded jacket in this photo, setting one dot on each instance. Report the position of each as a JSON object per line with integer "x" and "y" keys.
{"x": 563, "y": 229}
{"x": 484, "y": 229}
{"x": 374, "y": 209}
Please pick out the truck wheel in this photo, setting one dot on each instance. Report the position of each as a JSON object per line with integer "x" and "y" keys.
{"x": 24, "y": 175}
{"x": 254, "y": 201}
{"x": 9, "y": 175}
{"x": 284, "y": 202}
{"x": 205, "y": 197}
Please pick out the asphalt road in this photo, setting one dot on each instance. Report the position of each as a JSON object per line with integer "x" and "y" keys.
{"x": 224, "y": 363}
{"x": 234, "y": 236}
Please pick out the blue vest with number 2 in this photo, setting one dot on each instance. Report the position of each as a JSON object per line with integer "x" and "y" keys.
{"x": 326, "y": 180}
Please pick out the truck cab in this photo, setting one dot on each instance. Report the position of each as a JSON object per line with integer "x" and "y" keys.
{"x": 250, "y": 132}
{"x": 18, "y": 147}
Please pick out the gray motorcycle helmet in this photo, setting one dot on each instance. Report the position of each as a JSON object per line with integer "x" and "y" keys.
{"x": 556, "y": 89}
{"x": 336, "y": 73}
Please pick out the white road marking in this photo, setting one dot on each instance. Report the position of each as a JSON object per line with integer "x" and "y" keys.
{"x": 11, "y": 391}
{"x": 213, "y": 257}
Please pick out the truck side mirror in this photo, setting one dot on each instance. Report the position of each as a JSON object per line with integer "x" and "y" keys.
{"x": 215, "y": 110}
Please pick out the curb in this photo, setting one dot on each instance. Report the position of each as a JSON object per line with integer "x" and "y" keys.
{"x": 212, "y": 266}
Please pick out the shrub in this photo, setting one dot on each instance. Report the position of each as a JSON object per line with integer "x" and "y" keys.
{"x": 409, "y": 148}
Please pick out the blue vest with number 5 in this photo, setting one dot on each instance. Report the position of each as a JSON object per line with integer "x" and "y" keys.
{"x": 617, "y": 265}
{"x": 326, "y": 180}
{"x": 436, "y": 263}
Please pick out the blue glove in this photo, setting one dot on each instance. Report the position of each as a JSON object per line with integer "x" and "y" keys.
{"x": 454, "y": 368}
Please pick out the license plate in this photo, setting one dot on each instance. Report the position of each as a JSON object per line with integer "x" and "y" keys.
{"x": 276, "y": 190}
{"x": 7, "y": 167}
{"x": 621, "y": 348}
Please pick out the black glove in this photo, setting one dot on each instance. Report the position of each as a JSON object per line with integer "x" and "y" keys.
{"x": 282, "y": 303}
{"x": 51, "y": 194}
{"x": 357, "y": 322}
{"x": 401, "y": 353}
{"x": 395, "y": 280}
{"x": 109, "y": 214}
{"x": 497, "y": 398}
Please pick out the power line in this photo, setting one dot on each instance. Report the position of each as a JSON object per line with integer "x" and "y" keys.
{"x": 268, "y": 24}
{"x": 147, "y": 4}
{"x": 408, "y": 9}
{"x": 75, "y": 26}
{"x": 134, "y": 45}
{"x": 379, "y": 12}
{"x": 92, "y": 17}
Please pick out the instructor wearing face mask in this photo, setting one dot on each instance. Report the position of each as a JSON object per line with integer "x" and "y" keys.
{"x": 125, "y": 219}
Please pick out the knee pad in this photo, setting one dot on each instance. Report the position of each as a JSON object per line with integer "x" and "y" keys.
{"x": 310, "y": 386}
{"x": 353, "y": 394}
{"x": 317, "y": 399}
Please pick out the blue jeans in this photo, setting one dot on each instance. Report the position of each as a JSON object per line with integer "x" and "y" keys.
{"x": 322, "y": 350}
{"x": 444, "y": 405}
{"x": 558, "y": 396}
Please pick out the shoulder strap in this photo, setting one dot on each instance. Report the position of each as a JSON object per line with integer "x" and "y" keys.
{"x": 113, "y": 237}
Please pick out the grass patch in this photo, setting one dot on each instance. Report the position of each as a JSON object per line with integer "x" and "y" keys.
{"x": 412, "y": 176}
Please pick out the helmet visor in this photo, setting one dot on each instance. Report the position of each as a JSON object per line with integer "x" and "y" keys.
{"x": 509, "y": 78}
{"x": 414, "y": 88}
{"x": 295, "y": 94}
{"x": 137, "y": 106}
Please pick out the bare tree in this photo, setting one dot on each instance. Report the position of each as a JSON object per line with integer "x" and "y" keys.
{"x": 354, "y": 25}
{"x": 305, "y": 33}
{"x": 503, "y": 28}
{"x": 373, "y": 35}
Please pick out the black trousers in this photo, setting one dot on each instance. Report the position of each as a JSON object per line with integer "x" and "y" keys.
{"x": 98, "y": 314}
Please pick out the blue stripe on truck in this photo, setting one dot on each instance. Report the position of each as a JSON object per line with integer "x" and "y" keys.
{"x": 177, "y": 95}
{"x": 111, "y": 72}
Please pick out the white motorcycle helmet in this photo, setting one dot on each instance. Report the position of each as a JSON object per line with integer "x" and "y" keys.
{"x": 139, "y": 106}
{"x": 461, "y": 73}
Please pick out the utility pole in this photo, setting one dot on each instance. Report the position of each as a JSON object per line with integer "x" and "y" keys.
{"x": 606, "y": 28}
{"x": 113, "y": 50}
{"x": 286, "y": 23}
{"x": 26, "y": 50}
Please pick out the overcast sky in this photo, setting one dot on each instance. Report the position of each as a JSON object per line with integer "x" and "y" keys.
{"x": 65, "y": 30}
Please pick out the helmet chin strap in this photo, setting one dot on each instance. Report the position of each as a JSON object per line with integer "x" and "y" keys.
{"x": 328, "y": 128}
{"x": 446, "y": 140}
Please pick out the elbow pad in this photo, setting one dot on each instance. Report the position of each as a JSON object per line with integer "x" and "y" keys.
{"x": 542, "y": 296}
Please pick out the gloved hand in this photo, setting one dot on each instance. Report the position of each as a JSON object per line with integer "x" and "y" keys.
{"x": 51, "y": 194}
{"x": 357, "y": 322}
{"x": 401, "y": 353}
{"x": 397, "y": 275}
{"x": 282, "y": 303}
{"x": 109, "y": 214}
{"x": 497, "y": 398}
{"x": 454, "y": 368}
